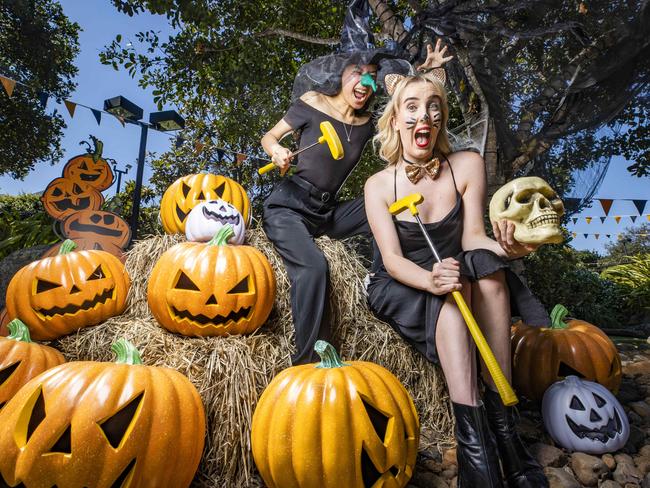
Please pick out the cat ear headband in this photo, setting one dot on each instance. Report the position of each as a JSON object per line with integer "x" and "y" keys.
{"x": 392, "y": 80}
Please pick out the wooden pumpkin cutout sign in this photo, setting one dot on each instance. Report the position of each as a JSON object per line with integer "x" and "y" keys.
{"x": 334, "y": 425}
{"x": 188, "y": 191}
{"x": 63, "y": 197}
{"x": 90, "y": 168}
{"x": 103, "y": 425}
{"x": 58, "y": 295}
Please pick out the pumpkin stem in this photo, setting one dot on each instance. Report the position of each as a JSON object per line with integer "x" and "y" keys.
{"x": 558, "y": 314}
{"x": 18, "y": 331}
{"x": 126, "y": 352}
{"x": 67, "y": 247}
{"x": 222, "y": 236}
{"x": 329, "y": 358}
{"x": 99, "y": 147}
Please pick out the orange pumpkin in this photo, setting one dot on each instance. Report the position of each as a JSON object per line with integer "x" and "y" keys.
{"x": 541, "y": 356}
{"x": 4, "y": 321}
{"x": 21, "y": 360}
{"x": 101, "y": 226}
{"x": 205, "y": 289}
{"x": 334, "y": 425}
{"x": 186, "y": 192}
{"x": 58, "y": 295}
{"x": 103, "y": 425}
{"x": 89, "y": 244}
{"x": 62, "y": 197}
{"x": 90, "y": 168}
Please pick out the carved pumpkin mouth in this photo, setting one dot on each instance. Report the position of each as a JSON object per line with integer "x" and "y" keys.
{"x": 221, "y": 217}
{"x": 602, "y": 434}
{"x": 89, "y": 176}
{"x": 180, "y": 214}
{"x": 216, "y": 321}
{"x": 94, "y": 229}
{"x": 66, "y": 204}
{"x": 73, "y": 309}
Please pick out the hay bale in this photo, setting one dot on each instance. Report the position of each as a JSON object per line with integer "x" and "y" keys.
{"x": 231, "y": 373}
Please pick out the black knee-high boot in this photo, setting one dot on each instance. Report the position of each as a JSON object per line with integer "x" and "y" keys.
{"x": 478, "y": 464}
{"x": 520, "y": 467}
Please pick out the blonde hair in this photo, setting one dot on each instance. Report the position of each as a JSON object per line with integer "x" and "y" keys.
{"x": 387, "y": 141}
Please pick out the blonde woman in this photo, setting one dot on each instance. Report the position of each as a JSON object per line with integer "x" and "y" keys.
{"x": 411, "y": 293}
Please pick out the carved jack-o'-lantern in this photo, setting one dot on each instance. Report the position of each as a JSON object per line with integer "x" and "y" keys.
{"x": 199, "y": 289}
{"x": 58, "y": 295}
{"x": 103, "y": 425}
{"x": 62, "y": 197}
{"x": 90, "y": 168}
{"x": 584, "y": 416}
{"x": 186, "y": 192}
{"x": 335, "y": 425}
{"x": 205, "y": 220}
{"x": 541, "y": 356}
{"x": 104, "y": 226}
{"x": 21, "y": 360}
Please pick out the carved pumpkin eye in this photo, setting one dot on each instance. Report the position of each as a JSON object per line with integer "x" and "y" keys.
{"x": 200, "y": 196}
{"x": 44, "y": 285}
{"x": 119, "y": 424}
{"x": 185, "y": 283}
{"x": 57, "y": 192}
{"x": 5, "y": 374}
{"x": 83, "y": 165}
{"x": 97, "y": 274}
{"x": 599, "y": 400}
{"x": 241, "y": 287}
{"x": 220, "y": 189}
{"x": 109, "y": 219}
{"x": 576, "y": 404}
{"x": 379, "y": 422}
{"x": 95, "y": 218}
{"x": 185, "y": 189}
{"x": 34, "y": 410}
{"x": 76, "y": 189}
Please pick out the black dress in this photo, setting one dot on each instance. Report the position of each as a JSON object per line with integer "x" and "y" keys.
{"x": 304, "y": 206}
{"x": 414, "y": 313}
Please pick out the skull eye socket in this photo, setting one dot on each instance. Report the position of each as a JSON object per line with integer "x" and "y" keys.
{"x": 185, "y": 283}
{"x": 599, "y": 400}
{"x": 97, "y": 274}
{"x": 576, "y": 404}
{"x": 44, "y": 285}
{"x": 241, "y": 287}
{"x": 524, "y": 197}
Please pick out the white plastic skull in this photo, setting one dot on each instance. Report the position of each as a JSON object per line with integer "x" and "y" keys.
{"x": 532, "y": 205}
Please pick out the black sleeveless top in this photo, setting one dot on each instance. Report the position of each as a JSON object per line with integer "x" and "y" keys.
{"x": 316, "y": 165}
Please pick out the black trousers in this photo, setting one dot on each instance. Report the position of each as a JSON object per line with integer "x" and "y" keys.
{"x": 294, "y": 214}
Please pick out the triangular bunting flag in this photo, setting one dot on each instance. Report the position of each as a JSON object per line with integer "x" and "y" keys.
{"x": 71, "y": 106}
{"x": 9, "y": 85}
{"x": 602, "y": 220}
{"x": 198, "y": 145}
{"x": 120, "y": 119}
{"x": 97, "y": 114}
{"x": 575, "y": 220}
{"x": 640, "y": 205}
{"x": 617, "y": 219}
{"x": 608, "y": 235}
{"x": 179, "y": 142}
{"x": 585, "y": 235}
{"x": 240, "y": 158}
{"x": 597, "y": 236}
{"x": 588, "y": 219}
{"x": 633, "y": 218}
{"x": 42, "y": 98}
{"x": 606, "y": 203}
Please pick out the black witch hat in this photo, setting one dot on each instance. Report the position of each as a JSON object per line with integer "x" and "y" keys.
{"x": 357, "y": 47}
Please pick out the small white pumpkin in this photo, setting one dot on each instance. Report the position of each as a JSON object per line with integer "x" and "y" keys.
{"x": 206, "y": 218}
{"x": 584, "y": 416}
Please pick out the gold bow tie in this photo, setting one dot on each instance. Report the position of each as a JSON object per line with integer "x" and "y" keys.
{"x": 415, "y": 172}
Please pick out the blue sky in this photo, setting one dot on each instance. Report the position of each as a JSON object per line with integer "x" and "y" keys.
{"x": 95, "y": 82}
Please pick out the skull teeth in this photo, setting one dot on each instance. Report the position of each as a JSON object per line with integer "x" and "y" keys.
{"x": 546, "y": 219}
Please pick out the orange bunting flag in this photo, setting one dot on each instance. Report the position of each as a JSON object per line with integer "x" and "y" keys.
{"x": 71, "y": 106}
{"x": 240, "y": 158}
{"x": 617, "y": 219}
{"x": 606, "y": 203}
{"x": 9, "y": 85}
{"x": 588, "y": 219}
{"x": 198, "y": 146}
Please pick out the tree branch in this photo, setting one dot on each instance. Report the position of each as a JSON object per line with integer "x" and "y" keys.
{"x": 296, "y": 35}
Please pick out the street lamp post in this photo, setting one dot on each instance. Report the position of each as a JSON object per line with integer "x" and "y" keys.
{"x": 120, "y": 172}
{"x": 130, "y": 113}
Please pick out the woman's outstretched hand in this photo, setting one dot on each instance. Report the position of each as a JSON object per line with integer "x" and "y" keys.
{"x": 504, "y": 233}
{"x": 281, "y": 158}
{"x": 435, "y": 57}
{"x": 445, "y": 277}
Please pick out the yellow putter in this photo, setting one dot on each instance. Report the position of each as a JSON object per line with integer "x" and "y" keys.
{"x": 506, "y": 392}
{"x": 329, "y": 136}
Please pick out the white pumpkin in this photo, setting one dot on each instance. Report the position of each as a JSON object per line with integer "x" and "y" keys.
{"x": 206, "y": 218}
{"x": 584, "y": 416}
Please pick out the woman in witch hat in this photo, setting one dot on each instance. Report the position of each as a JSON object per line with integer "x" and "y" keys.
{"x": 413, "y": 294}
{"x": 336, "y": 88}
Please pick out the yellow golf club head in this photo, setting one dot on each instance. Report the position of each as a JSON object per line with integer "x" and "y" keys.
{"x": 332, "y": 138}
{"x": 408, "y": 202}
